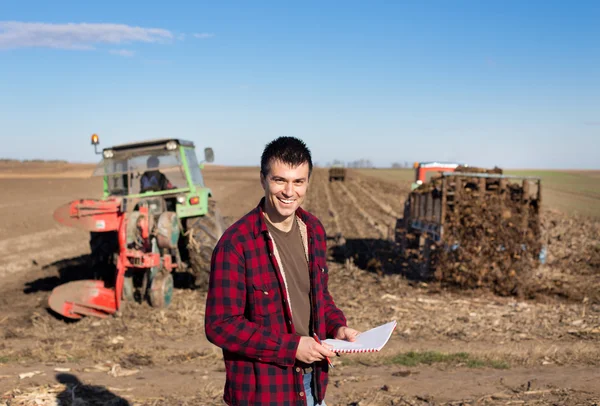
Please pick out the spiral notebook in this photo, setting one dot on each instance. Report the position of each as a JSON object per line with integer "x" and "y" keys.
{"x": 370, "y": 341}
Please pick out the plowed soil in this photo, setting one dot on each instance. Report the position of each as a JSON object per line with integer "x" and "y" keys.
{"x": 450, "y": 347}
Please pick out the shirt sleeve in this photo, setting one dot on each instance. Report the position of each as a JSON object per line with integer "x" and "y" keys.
{"x": 225, "y": 323}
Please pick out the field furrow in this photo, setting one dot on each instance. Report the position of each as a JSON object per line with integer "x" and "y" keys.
{"x": 377, "y": 210}
{"x": 376, "y": 197}
{"x": 353, "y": 224}
{"x": 360, "y": 208}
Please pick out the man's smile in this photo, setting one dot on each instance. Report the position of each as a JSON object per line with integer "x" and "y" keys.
{"x": 286, "y": 201}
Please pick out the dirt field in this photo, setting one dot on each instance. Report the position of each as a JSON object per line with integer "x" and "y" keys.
{"x": 449, "y": 347}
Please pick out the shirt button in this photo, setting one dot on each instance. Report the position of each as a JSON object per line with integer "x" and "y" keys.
{"x": 297, "y": 369}
{"x": 265, "y": 292}
{"x": 289, "y": 322}
{"x": 301, "y": 394}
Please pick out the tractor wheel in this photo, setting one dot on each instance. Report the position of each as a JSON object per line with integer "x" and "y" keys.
{"x": 203, "y": 234}
{"x": 161, "y": 290}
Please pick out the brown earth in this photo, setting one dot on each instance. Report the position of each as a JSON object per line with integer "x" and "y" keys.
{"x": 468, "y": 347}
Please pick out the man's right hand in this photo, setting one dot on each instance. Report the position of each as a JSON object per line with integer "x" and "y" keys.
{"x": 310, "y": 351}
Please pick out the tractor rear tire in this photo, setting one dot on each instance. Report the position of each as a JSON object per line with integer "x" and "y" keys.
{"x": 203, "y": 234}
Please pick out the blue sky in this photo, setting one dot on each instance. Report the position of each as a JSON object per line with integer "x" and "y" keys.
{"x": 508, "y": 83}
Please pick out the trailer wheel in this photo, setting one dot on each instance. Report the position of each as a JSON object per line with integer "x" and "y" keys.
{"x": 161, "y": 290}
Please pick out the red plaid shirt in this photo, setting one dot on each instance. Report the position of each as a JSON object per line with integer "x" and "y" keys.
{"x": 248, "y": 316}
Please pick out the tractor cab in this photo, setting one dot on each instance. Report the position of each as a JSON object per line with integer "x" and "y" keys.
{"x": 163, "y": 169}
{"x": 425, "y": 170}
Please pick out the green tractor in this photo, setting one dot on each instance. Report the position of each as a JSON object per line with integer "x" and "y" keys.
{"x": 156, "y": 216}
{"x": 164, "y": 176}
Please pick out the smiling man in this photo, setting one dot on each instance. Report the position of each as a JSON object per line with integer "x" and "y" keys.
{"x": 268, "y": 291}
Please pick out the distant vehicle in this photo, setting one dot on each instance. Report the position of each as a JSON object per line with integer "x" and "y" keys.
{"x": 337, "y": 172}
{"x": 156, "y": 215}
{"x": 424, "y": 170}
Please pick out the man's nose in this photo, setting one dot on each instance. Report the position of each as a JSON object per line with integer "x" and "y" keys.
{"x": 288, "y": 189}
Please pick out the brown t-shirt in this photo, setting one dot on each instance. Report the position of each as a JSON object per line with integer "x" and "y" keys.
{"x": 295, "y": 266}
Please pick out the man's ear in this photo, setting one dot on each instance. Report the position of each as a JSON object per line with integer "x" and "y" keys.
{"x": 263, "y": 180}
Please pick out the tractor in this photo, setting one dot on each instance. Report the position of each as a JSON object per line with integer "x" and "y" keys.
{"x": 156, "y": 216}
{"x": 337, "y": 172}
{"x": 424, "y": 170}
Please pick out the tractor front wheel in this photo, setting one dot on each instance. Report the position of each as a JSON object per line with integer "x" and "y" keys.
{"x": 203, "y": 233}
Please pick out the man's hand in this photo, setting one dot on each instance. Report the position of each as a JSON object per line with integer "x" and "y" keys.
{"x": 310, "y": 351}
{"x": 346, "y": 333}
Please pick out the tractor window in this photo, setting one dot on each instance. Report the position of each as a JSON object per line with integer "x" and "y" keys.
{"x": 125, "y": 171}
{"x": 167, "y": 163}
{"x": 117, "y": 177}
{"x": 192, "y": 162}
{"x": 117, "y": 185}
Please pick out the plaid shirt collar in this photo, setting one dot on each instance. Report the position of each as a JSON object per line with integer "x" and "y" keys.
{"x": 260, "y": 226}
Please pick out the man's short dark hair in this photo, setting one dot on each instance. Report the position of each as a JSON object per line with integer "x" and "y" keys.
{"x": 288, "y": 150}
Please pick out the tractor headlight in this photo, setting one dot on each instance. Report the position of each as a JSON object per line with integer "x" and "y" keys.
{"x": 108, "y": 153}
{"x": 180, "y": 199}
{"x": 171, "y": 145}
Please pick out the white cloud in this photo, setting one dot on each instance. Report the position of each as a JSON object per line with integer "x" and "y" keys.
{"x": 122, "y": 52}
{"x": 14, "y": 34}
{"x": 204, "y": 35}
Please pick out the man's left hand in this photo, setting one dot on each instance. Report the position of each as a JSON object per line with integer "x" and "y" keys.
{"x": 346, "y": 333}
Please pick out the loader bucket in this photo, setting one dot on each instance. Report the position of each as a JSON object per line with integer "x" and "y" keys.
{"x": 90, "y": 214}
{"x": 83, "y": 298}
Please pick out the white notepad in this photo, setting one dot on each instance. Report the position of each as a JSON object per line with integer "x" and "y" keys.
{"x": 370, "y": 341}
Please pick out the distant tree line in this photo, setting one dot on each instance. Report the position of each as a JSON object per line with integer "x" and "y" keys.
{"x": 365, "y": 163}
{"x": 399, "y": 165}
{"x": 61, "y": 161}
{"x": 360, "y": 163}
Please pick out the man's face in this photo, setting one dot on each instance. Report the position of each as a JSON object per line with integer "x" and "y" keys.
{"x": 285, "y": 188}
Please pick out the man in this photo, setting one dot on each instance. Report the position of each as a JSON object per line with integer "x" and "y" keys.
{"x": 153, "y": 179}
{"x": 268, "y": 291}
